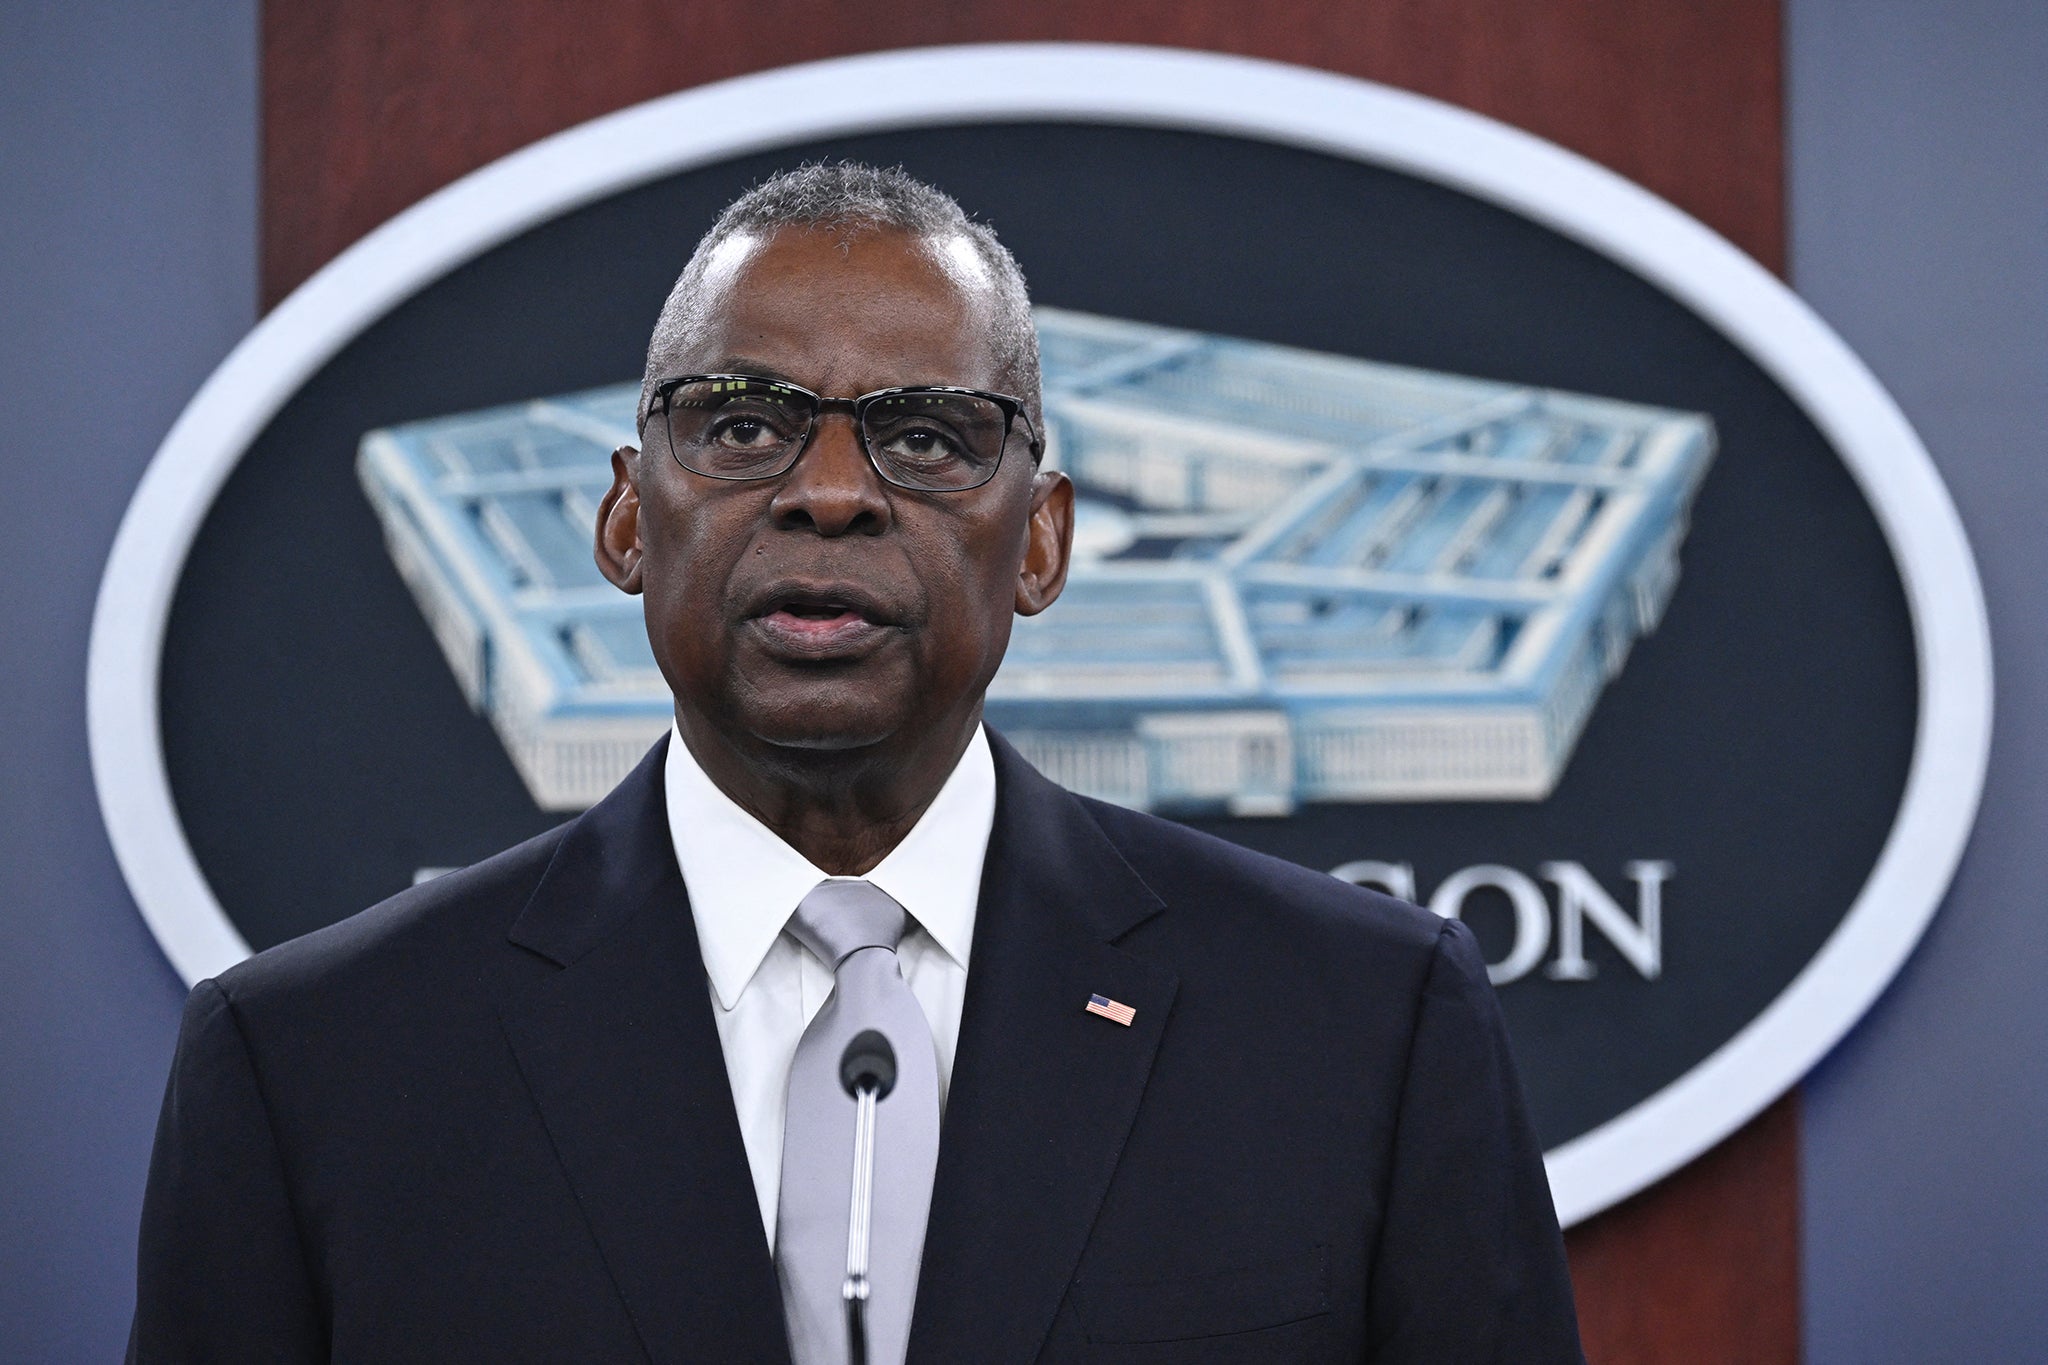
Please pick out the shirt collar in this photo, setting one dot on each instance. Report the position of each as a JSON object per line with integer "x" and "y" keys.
{"x": 745, "y": 882}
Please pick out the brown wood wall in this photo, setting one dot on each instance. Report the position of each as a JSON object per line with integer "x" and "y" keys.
{"x": 369, "y": 105}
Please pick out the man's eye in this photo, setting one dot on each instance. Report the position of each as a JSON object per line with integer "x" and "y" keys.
{"x": 921, "y": 445}
{"x": 747, "y": 431}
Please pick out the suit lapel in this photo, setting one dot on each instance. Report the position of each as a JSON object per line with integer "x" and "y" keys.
{"x": 615, "y": 1038}
{"x": 1043, "y": 1092}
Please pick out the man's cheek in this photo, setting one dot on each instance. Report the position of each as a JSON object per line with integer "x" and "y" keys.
{"x": 700, "y": 562}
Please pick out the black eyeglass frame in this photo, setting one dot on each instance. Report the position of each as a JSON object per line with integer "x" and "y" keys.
{"x": 1011, "y": 408}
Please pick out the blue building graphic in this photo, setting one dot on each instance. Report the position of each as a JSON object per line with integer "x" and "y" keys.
{"x": 1298, "y": 576}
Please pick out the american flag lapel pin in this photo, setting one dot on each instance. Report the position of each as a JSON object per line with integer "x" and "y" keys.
{"x": 1113, "y": 1010}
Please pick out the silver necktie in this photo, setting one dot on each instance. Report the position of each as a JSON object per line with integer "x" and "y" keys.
{"x": 853, "y": 927}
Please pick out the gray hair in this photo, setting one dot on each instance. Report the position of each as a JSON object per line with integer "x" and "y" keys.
{"x": 850, "y": 198}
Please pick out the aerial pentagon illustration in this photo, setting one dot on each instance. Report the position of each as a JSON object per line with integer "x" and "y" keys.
{"x": 1298, "y": 577}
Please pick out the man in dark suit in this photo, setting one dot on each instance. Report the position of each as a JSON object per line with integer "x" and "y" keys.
{"x": 567, "y": 1104}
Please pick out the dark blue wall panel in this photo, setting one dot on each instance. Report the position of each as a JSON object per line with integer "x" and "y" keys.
{"x": 128, "y": 266}
{"x": 1919, "y": 193}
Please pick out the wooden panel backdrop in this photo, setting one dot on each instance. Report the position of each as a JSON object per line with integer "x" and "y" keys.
{"x": 371, "y": 104}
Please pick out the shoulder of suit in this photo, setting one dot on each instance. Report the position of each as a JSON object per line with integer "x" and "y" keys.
{"x": 438, "y": 927}
{"x": 1191, "y": 870}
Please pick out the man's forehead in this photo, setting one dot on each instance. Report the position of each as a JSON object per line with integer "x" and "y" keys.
{"x": 962, "y": 259}
{"x": 764, "y": 260}
{"x": 817, "y": 281}
{"x": 723, "y": 263}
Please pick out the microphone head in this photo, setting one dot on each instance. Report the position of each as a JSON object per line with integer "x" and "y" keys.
{"x": 868, "y": 1061}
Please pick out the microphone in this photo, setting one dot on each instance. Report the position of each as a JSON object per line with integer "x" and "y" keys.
{"x": 868, "y": 1071}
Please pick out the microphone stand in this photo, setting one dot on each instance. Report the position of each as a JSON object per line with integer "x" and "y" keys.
{"x": 868, "y": 1071}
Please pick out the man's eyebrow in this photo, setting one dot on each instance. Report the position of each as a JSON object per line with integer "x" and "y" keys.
{"x": 732, "y": 364}
{"x": 739, "y": 364}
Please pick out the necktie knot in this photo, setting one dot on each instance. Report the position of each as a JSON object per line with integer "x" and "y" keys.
{"x": 839, "y": 918}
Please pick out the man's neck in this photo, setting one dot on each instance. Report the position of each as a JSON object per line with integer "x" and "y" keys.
{"x": 843, "y": 809}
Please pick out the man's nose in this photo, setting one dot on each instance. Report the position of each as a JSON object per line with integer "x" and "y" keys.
{"x": 833, "y": 488}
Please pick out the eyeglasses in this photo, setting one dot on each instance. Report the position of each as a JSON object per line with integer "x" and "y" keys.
{"x": 932, "y": 438}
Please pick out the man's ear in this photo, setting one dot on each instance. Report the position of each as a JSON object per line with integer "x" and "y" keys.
{"x": 618, "y": 523}
{"x": 1048, "y": 543}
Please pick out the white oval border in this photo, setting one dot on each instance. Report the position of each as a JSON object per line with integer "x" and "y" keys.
{"x": 1157, "y": 88}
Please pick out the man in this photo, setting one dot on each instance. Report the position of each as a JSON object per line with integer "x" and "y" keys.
{"x": 581, "y": 1101}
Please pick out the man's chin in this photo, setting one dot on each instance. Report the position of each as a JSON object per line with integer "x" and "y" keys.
{"x": 805, "y": 717}
{"x": 824, "y": 741}
{"x": 823, "y": 725}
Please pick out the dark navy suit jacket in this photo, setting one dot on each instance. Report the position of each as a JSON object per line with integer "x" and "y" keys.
{"x": 489, "y": 1120}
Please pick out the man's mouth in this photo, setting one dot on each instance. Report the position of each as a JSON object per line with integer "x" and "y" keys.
{"x": 819, "y": 611}
{"x": 820, "y": 625}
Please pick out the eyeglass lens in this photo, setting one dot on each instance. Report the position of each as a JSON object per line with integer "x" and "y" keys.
{"x": 755, "y": 429}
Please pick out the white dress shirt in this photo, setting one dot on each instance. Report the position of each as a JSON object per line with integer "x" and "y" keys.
{"x": 745, "y": 883}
